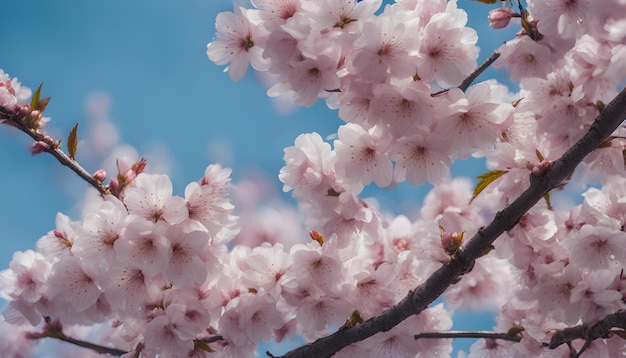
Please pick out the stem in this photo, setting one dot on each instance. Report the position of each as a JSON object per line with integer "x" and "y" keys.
{"x": 464, "y": 334}
{"x": 95, "y": 347}
{"x": 54, "y": 330}
{"x": 477, "y": 72}
{"x": 590, "y": 331}
{"x": 55, "y": 151}
{"x": 211, "y": 339}
{"x": 419, "y": 299}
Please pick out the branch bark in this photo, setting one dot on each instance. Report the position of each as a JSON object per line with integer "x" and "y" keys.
{"x": 417, "y": 300}
{"x": 15, "y": 120}
{"x": 463, "y": 334}
{"x": 474, "y": 75}
{"x": 590, "y": 332}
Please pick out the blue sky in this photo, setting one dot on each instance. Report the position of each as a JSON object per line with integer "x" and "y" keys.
{"x": 149, "y": 57}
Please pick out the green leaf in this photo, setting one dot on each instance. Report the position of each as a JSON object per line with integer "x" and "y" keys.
{"x": 72, "y": 142}
{"x": 36, "y": 96}
{"x": 547, "y": 198}
{"x": 486, "y": 179}
{"x": 202, "y": 345}
{"x": 539, "y": 156}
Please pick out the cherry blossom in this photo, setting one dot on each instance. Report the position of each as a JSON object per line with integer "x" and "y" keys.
{"x": 362, "y": 155}
{"x": 151, "y": 198}
{"x": 237, "y": 43}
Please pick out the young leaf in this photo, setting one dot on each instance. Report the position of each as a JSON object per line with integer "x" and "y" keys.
{"x": 539, "y": 156}
{"x": 547, "y": 199}
{"x": 486, "y": 179}
{"x": 72, "y": 142}
{"x": 41, "y": 104}
{"x": 36, "y": 96}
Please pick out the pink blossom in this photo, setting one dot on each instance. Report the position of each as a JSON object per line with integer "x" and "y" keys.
{"x": 151, "y": 198}
{"x": 597, "y": 295}
{"x": 211, "y": 208}
{"x": 316, "y": 265}
{"x": 309, "y": 78}
{"x": 250, "y": 318}
{"x": 567, "y": 18}
{"x": 500, "y": 18}
{"x": 553, "y": 292}
{"x": 128, "y": 289}
{"x": 144, "y": 244}
{"x": 597, "y": 247}
{"x": 11, "y": 91}
{"x": 267, "y": 266}
{"x": 99, "y": 232}
{"x": 489, "y": 348}
{"x": 447, "y": 52}
{"x": 341, "y": 13}
{"x": 237, "y": 42}
{"x": 70, "y": 280}
{"x": 403, "y": 106}
{"x": 421, "y": 157}
{"x": 487, "y": 286}
{"x": 186, "y": 264}
{"x": 59, "y": 241}
{"x": 475, "y": 119}
{"x": 525, "y": 58}
{"x": 362, "y": 156}
{"x": 26, "y": 277}
{"x": 15, "y": 341}
{"x": 310, "y": 166}
{"x": 277, "y": 12}
{"x": 162, "y": 335}
{"x": 386, "y": 48}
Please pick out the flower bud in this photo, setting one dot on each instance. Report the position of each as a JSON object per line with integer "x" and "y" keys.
{"x": 38, "y": 147}
{"x": 500, "y": 18}
{"x": 100, "y": 175}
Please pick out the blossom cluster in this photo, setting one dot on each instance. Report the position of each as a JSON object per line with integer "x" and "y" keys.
{"x": 162, "y": 274}
{"x": 380, "y": 72}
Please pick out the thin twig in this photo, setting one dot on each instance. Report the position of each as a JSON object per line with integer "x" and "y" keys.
{"x": 95, "y": 347}
{"x": 211, "y": 339}
{"x": 465, "y": 334}
{"x": 477, "y": 72}
{"x": 55, "y": 330}
{"x": 55, "y": 151}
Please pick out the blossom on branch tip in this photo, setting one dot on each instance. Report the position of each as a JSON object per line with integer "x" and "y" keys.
{"x": 500, "y": 18}
{"x": 237, "y": 42}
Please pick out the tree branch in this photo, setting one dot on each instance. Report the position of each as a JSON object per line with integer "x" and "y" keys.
{"x": 52, "y": 147}
{"x": 590, "y": 331}
{"x": 464, "y": 334}
{"x": 54, "y": 329}
{"x": 417, "y": 300}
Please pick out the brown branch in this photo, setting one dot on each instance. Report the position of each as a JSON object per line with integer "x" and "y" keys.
{"x": 417, "y": 300}
{"x": 590, "y": 331}
{"x": 464, "y": 334}
{"x": 477, "y": 72}
{"x": 212, "y": 339}
{"x": 52, "y": 147}
{"x": 54, "y": 329}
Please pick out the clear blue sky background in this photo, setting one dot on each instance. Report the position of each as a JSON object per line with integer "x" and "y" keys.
{"x": 150, "y": 58}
